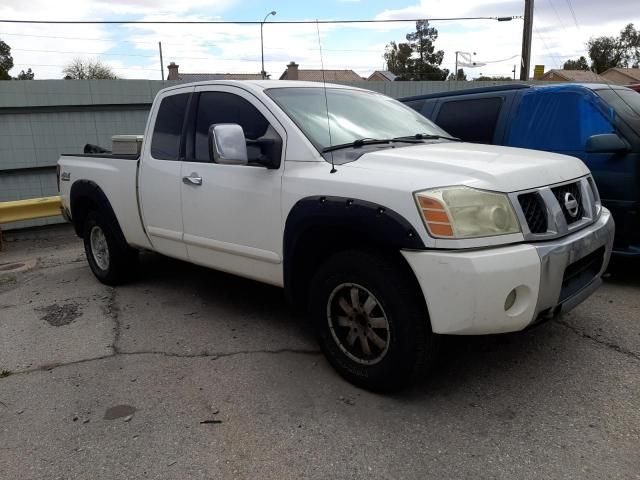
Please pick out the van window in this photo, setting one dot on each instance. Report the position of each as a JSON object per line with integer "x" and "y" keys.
{"x": 222, "y": 107}
{"x": 471, "y": 120}
{"x": 557, "y": 121}
{"x": 415, "y": 104}
{"x": 167, "y": 132}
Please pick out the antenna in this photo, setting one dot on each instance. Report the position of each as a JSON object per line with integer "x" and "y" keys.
{"x": 326, "y": 101}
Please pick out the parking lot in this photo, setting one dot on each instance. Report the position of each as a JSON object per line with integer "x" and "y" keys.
{"x": 191, "y": 373}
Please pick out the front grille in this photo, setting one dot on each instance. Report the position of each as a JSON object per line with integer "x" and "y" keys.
{"x": 575, "y": 191}
{"x": 534, "y": 211}
{"x": 580, "y": 273}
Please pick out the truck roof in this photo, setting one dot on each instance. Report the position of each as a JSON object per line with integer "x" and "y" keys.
{"x": 513, "y": 86}
{"x": 469, "y": 91}
{"x": 260, "y": 85}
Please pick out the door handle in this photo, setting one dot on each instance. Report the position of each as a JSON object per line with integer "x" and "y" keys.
{"x": 193, "y": 179}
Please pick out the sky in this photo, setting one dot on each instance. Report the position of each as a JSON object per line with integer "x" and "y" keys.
{"x": 561, "y": 29}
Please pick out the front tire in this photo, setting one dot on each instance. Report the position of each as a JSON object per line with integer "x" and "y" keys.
{"x": 371, "y": 320}
{"x": 110, "y": 261}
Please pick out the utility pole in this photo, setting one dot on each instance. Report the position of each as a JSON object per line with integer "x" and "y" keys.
{"x": 161, "y": 62}
{"x": 527, "y": 30}
{"x": 514, "y": 72}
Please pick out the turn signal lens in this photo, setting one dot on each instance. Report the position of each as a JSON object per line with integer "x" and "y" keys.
{"x": 465, "y": 212}
{"x": 435, "y": 216}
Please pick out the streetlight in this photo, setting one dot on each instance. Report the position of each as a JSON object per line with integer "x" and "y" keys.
{"x": 467, "y": 55}
{"x": 273, "y": 12}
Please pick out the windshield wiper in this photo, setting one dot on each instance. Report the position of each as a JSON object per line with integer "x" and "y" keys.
{"x": 371, "y": 141}
{"x": 428, "y": 136}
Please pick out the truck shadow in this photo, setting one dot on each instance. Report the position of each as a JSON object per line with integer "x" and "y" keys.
{"x": 471, "y": 367}
{"x": 222, "y": 292}
{"x": 623, "y": 271}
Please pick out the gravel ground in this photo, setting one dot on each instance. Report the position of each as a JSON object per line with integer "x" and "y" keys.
{"x": 189, "y": 373}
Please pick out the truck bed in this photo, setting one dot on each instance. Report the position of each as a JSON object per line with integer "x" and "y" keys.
{"x": 117, "y": 179}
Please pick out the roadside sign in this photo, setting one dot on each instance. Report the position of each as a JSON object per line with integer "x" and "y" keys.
{"x": 538, "y": 71}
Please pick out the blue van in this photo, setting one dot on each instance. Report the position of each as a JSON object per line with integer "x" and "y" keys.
{"x": 598, "y": 123}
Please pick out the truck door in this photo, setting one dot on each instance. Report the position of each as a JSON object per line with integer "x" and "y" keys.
{"x": 231, "y": 213}
{"x": 160, "y": 174}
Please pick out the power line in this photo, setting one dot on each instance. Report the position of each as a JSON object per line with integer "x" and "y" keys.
{"x": 93, "y": 53}
{"x": 573, "y": 14}
{"x": 211, "y": 57}
{"x": 77, "y": 38}
{"x": 498, "y": 61}
{"x": 196, "y": 42}
{"x": 50, "y": 65}
{"x": 544, "y": 43}
{"x": 557, "y": 15}
{"x": 246, "y": 22}
{"x": 546, "y": 47}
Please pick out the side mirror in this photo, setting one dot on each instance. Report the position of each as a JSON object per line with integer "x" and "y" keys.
{"x": 606, "y": 143}
{"x": 227, "y": 144}
{"x": 270, "y": 146}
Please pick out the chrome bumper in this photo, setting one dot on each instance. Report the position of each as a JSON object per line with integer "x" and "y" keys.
{"x": 584, "y": 252}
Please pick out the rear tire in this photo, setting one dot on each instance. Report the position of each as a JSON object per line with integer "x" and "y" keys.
{"x": 110, "y": 259}
{"x": 371, "y": 320}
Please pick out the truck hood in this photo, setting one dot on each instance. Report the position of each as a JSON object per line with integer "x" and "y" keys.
{"x": 503, "y": 169}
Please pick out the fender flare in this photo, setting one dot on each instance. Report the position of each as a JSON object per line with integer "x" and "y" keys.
{"x": 81, "y": 190}
{"x": 374, "y": 222}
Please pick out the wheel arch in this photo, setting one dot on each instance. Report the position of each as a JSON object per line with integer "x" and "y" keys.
{"x": 318, "y": 226}
{"x": 87, "y": 196}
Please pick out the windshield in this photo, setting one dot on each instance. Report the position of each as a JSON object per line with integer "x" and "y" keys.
{"x": 353, "y": 115}
{"x": 625, "y": 103}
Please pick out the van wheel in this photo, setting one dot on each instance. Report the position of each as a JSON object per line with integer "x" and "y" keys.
{"x": 371, "y": 320}
{"x": 110, "y": 261}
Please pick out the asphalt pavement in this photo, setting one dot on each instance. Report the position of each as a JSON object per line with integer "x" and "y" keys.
{"x": 190, "y": 373}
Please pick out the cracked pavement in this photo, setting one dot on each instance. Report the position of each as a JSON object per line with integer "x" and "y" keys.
{"x": 190, "y": 373}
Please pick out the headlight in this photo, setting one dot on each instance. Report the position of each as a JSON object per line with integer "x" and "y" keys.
{"x": 465, "y": 212}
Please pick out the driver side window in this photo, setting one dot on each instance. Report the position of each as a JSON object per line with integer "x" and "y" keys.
{"x": 223, "y": 107}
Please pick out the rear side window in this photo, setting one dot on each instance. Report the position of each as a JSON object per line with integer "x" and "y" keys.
{"x": 471, "y": 120}
{"x": 165, "y": 143}
{"x": 222, "y": 107}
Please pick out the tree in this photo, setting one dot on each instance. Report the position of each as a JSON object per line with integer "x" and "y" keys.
{"x": 88, "y": 69}
{"x": 398, "y": 59}
{"x": 427, "y": 64}
{"x": 579, "y": 64}
{"x": 6, "y": 61}
{"x": 605, "y": 53}
{"x": 28, "y": 75}
{"x": 612, "y": 52}
{"x": 460, "y": 76}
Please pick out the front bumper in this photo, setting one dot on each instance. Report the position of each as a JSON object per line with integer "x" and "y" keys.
{"x": 465, "y": 291}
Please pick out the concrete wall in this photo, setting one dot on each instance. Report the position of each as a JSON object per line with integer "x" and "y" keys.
{"x": 40, "y": 119}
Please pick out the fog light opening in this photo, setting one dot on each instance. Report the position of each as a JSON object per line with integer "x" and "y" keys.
{"x": 510, "y": 300}
{"x": 518, "y": 301}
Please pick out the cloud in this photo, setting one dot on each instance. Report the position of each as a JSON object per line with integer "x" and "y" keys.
{"x": 449, "y": 9}
{"x": 556, "y": 37}
{"x": 133, "y": 49}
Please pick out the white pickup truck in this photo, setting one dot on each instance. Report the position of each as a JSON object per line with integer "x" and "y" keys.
{"x": 390, "y": 232}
